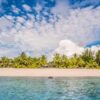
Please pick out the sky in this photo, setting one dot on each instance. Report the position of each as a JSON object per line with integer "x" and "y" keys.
{"x": 49, "y": 26}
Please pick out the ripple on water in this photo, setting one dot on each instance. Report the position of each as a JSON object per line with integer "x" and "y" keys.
{"x": 30, "y": 88}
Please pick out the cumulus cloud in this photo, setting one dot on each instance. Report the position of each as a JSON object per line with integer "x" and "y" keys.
{"x": 69, "y": 48}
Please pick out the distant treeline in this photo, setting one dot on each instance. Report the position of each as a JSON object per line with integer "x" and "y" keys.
{"x": 86, "y": 60}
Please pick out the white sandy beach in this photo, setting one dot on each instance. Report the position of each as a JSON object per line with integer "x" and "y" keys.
{"x": 50, "y": 72}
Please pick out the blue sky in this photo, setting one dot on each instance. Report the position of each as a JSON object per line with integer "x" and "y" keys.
{"x": 39, "y": 26}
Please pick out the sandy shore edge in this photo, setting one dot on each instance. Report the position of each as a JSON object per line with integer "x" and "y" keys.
{"x": 50, "y": 72}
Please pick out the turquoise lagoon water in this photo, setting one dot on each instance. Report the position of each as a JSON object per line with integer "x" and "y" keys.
{"x": 30, "y": 88}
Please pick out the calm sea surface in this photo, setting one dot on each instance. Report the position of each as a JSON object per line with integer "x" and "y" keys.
{"x": 30, "y": 88}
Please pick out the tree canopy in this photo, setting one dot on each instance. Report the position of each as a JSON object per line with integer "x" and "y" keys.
{"x": 86, "y": 60}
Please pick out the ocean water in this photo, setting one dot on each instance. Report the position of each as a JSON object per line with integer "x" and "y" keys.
{"x": 30, "y": 88}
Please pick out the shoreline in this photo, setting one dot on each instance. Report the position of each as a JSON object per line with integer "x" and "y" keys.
{"x": 48, "y": 72}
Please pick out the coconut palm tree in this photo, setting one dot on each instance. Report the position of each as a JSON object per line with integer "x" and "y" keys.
{"x": 5, "y": 62}
{"x": 98, "y": 57}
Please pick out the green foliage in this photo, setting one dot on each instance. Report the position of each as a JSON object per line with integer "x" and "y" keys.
{"x": 98, "y": 57}
{"x": 87, "y": 55}
{"x": 60, "y": 61}
{"x": 91, "y": 64}
{"x": 57, "y": 60}
{"x": 86, "y": 60}
{"x": 22, "y": 61}
{"x": 43, "y": 61}
{"x": 5, "y": 62}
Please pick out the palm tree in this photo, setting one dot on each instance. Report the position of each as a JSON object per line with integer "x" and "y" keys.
{"x": 64, "y": 61}
{"x": 22, "y": 60}
{"x": 98, "y": 57}
{"x": 5, "y": 62}
{"x": 43, "y": 60}
{"x": 56, "y": 60}
{"x": 89, "y": 59}
{"x": 87, "y": 55}
{"x": 23, "y": 55}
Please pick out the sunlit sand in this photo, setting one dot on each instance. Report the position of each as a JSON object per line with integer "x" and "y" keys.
{"x": 50, "y": 72}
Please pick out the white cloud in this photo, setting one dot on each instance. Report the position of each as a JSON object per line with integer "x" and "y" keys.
{"x": 70, "y": 48}
{"x": 6, "y": 23}
{"x": 95, "y": 48}
{"x": 8, "y": 52}
{"x": 61, "y": 8}
{"x": 20, "y": 19}
{"x": 38, "y": 7}
{"x": 33, "y": 36}
{"x": 26, "y": 7}
{"x": 80, "y": 24}
{"x": 15, "y": 9}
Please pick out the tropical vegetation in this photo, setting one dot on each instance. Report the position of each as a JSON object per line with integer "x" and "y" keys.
{"x": 87, "y": 59}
